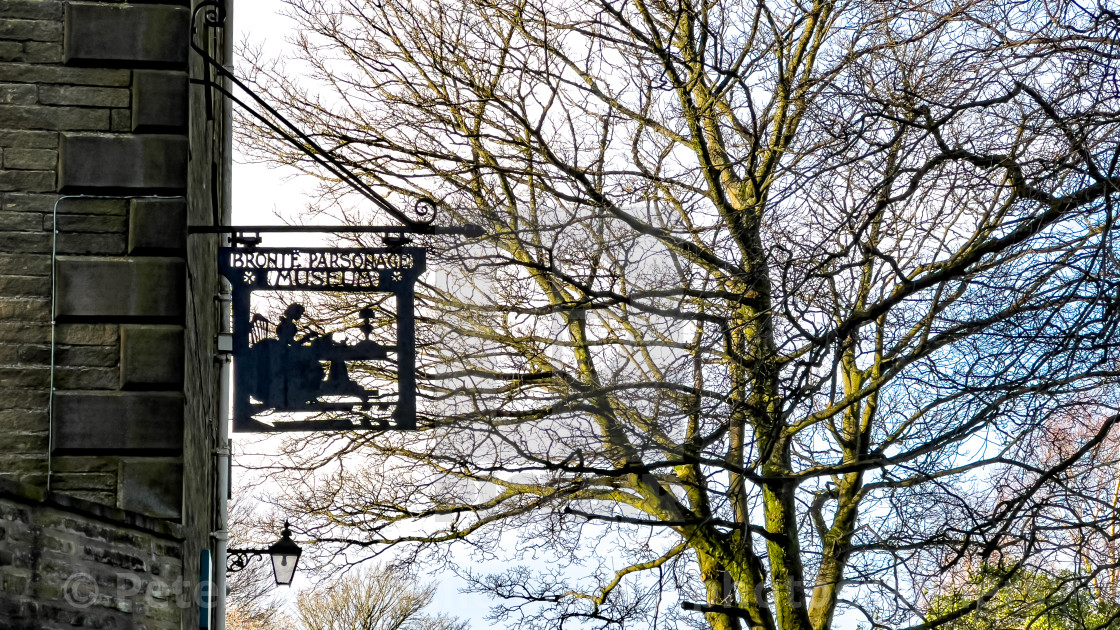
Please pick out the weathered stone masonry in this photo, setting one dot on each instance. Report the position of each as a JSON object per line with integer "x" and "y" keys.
{"x": 70, "y": 563}
{"x": 102, "y": 137}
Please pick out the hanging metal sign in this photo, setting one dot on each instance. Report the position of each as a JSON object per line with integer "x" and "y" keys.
{"x": 289, "y": 373}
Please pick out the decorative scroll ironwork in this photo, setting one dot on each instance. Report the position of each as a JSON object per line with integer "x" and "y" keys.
{"x": 239, "y": 559}
{"x": 213, "y": 12}
{"x": 281, "y": 368}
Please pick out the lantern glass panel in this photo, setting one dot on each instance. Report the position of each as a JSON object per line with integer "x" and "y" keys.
{"x": 284, "y": 567}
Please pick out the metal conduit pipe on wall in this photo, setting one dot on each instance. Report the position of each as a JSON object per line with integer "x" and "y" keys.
{"x": 225, "y": 445}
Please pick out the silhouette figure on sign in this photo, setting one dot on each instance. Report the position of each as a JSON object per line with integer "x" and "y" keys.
{"x": 289, "y": 369}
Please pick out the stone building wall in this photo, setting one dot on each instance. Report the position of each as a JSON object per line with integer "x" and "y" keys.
{"x": 108, "y": 312}
{"x": 69, "y": 563}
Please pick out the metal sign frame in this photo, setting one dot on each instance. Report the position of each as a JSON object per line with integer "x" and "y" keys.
{"x": 219, "y": 80}
{"x": 283, "y": 373}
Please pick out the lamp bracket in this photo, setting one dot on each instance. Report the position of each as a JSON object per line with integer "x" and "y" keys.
{"x": 238, "y": 559}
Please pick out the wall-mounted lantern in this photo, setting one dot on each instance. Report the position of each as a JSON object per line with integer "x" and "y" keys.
{"x": 284, "y": 554}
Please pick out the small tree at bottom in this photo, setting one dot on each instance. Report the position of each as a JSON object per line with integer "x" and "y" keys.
{"x": 374, "y": 598}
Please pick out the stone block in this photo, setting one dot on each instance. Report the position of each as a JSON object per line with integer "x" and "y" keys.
{"x": 11, "y": 51}
{"x": 90, "y": 244}
{"x": 120, "y": 288}
{"x": 28, "y": 242}
{"x": 18, "y": 202}
{"x": 66, "y": 616}
{"x": 9, "y": 355}
{"x": 21, "y": 222}
{"x": 152, "y": 487}
{"x": 18, "y": 94}
{"x": 151, "y": 356}
{"x": 53, "y": 118}
{"x": 29, "y": 139}
{"x": 86, "y": 464}
{"x": 27, "y": 181}
{"x": 107, "y": 207}
{"x": 24, "y": 332}
{"x": 27, "y": 310}
{"x": 30, "y": 30}
{"x": 87, "y": 334}
{"x": 21, "y": 442}
{"x": 120, "y": 120}
{"x": 88, "y": 223}
{"x": 159, "y": 100}
{"x": 27, "y": 470}
{"x": 31, "y": 9}
{"x": 96, "y": 482}
{"x": 157, "y": 225}
{"x": 24, "y": 399}
{"x": 89, "y": 96}
{"x": 118, "y": 422}
{"x": 98, "y": 162}
{"x": 25, "y": 286}
{"x": 24, "y": 265}
{"x": 31, "y": 159}
{"x": 69, "y": 377}
{"x": 126, "y": 34}
{"x": 33, "y": 73}
{"x": 27, "y": 355}
{"x": 86, "y": 356}
{"x": 24, "y": 420}
{"x": 42, "y": 52}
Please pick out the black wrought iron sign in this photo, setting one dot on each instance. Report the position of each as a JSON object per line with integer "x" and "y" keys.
{"x": 292, "y": 374}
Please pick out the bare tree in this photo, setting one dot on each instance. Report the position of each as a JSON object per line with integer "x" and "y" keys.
{"x": 774, "y": 295}
{"x": 376, "y": 598}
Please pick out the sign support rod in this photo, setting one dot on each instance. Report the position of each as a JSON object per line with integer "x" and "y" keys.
{"x": 468, "y": 230}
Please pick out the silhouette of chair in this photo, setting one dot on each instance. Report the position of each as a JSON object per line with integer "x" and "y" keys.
{"x": 258, "y": 328}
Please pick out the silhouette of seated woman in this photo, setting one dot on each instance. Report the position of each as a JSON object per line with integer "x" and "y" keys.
{"x": 286, "y": 329}
{"x": 290, "y": 369}
{"x": 288, "y": 372}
